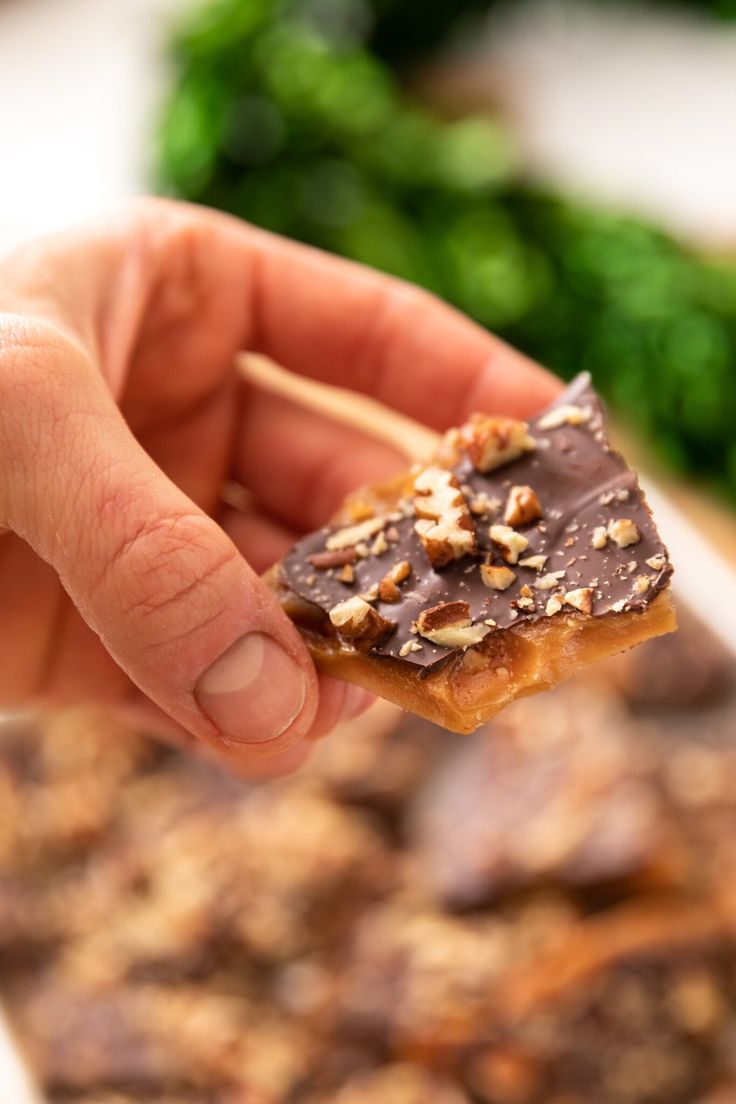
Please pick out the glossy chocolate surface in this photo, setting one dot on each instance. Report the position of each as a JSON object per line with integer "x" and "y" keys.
{"x": 582, "y": 484}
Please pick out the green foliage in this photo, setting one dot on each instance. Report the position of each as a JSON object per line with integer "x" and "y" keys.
{"x": 285, "y": 113}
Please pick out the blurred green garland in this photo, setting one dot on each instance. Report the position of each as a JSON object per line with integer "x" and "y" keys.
{"x": 291, "y": 113}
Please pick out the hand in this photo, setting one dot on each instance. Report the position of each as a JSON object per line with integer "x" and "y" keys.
{"x": 124, "y": 579}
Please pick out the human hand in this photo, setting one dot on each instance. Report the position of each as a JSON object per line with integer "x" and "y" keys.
{"x": 124, "y": 578}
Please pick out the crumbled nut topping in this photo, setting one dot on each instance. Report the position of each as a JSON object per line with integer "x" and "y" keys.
{"x": 656, "y": 562}
{"x": 359, "y": 622}
{"x": 324, "y": 560}
{"x": 354, "y": 534}
{"x": 450, "y": 625}
{"x": 347, "y": 575}
{"x": 641, "y": 584}
{"x": 522, "y": 506}
{"x": 581, "y": 599}
{"x": 497, "y": 577}
{"x": 445, "y": 527}
{"x": 567, "y": 414}
{"x": 623, "y": 532}
{"x": 400, "y": 571}
{"x": 409, "y": 646}
{"x": 548, "y": 581}
{"x": 554, "y": 605}
{"x": 492, "y": 441}
{"x": 535, "y": 562}
{"x": 618, "y": 607}
{"x": 483, "y": 506}
{"x": 443, "y": 616}
{"x": 388, "y": 590}
{"x": 512, "y": 544}
{"x": 380, "y": 545}
{"x": 525, "y": 603}
{"x": 599, "y": 538}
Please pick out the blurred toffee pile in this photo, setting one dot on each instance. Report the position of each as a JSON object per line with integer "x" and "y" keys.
{"x": 544, "y": 917}
{"x": 293, "y": 114}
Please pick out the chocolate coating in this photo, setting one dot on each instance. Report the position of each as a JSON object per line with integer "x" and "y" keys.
{"x": 582, "y": 484}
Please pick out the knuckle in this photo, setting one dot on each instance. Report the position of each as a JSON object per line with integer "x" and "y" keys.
{"x": 169, "y": 577}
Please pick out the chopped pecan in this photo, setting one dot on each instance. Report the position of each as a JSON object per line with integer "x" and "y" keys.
{"x": 491, "y": 441}
{"x": 522, "y": 506}
{"x": 358, "y": 622}
{"x": 354, "y": 534}
{"x": 388, "y": 590}
{"x": 445, "y": 527}
{"x": 450, "y": 625}
{"x": 599, "y": 537}
{"x": 535, "y": 562}
{"x": 512, "y": 544}
{"x": 567, "y": 414}
{"x": 623, "y": 532}
{"x": 497, "y": 576}
{"x": 581, "y": 599}
{"x": 324, "y": 560}
{"x": 442, "y": 616}
{"x": 347, "y": 575}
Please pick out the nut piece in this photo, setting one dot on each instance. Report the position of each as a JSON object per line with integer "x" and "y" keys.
{"x": 641, "y": 584}
{"x": 323, "y": 560}
{"x": 567, "y": 414}
{"x": 409, "y": 646}
{"x": 623, "y": 532}
{"x": 347, "y": 575}
{"x": 400, "y": 571}
{"x": 449, "y": 625}
{"x": 512, "y": 544}
{"x": 498, "y": 578}
{"x": 656, "y": 562}
{"x": 357, "y": 621}
{"x": 493, "y": 441}
{"x": 522, "y": 506}
{"x": 380, "y": 545}
{"x": 581, "y": 599}
{"x": 554, "y": 605}
{"x": 481, "y": 505}
{"x": 443, "y": 616}
{"x": 354, "y": 534}
{"x": 388, "y": 589}
{"x": 599, "y": 537}
{"x": 535, "y": 562}
{"x": 551, "y": 579}
{"x": 445, "y": 527}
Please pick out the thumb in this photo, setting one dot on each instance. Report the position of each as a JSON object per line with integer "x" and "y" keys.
{"x": 161, "y": 584}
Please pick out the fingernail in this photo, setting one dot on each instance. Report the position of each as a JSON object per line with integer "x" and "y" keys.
{"x": 254, "y": 691}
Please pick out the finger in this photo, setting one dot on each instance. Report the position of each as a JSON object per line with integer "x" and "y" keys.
{"x": 161, "y": 584}
{"x": 146, "y": 718}
{"x": 347, "y": 325}
{"x": 194, "y": 449}
{"x": 339, "y": 703}
{"x": 259, "y": 539}
{"x": 303, "y": 463}
{"x": 180, "y": 285}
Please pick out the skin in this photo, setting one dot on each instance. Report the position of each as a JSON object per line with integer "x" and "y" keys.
{"x": 123, "y": 575}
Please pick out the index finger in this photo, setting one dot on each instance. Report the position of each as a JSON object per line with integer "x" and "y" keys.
{"x": 347, "y": 325}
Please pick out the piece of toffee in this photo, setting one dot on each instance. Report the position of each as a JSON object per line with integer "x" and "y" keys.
{"x": 583, "y": 485}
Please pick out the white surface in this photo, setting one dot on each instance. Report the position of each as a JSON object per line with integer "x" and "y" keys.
{"x": 79, "y": 81}
{"x": 633, "y": 106}
{"x": 15, "y": 1085}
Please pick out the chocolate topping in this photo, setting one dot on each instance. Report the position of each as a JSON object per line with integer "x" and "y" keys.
{"x": 584, "y": 488}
